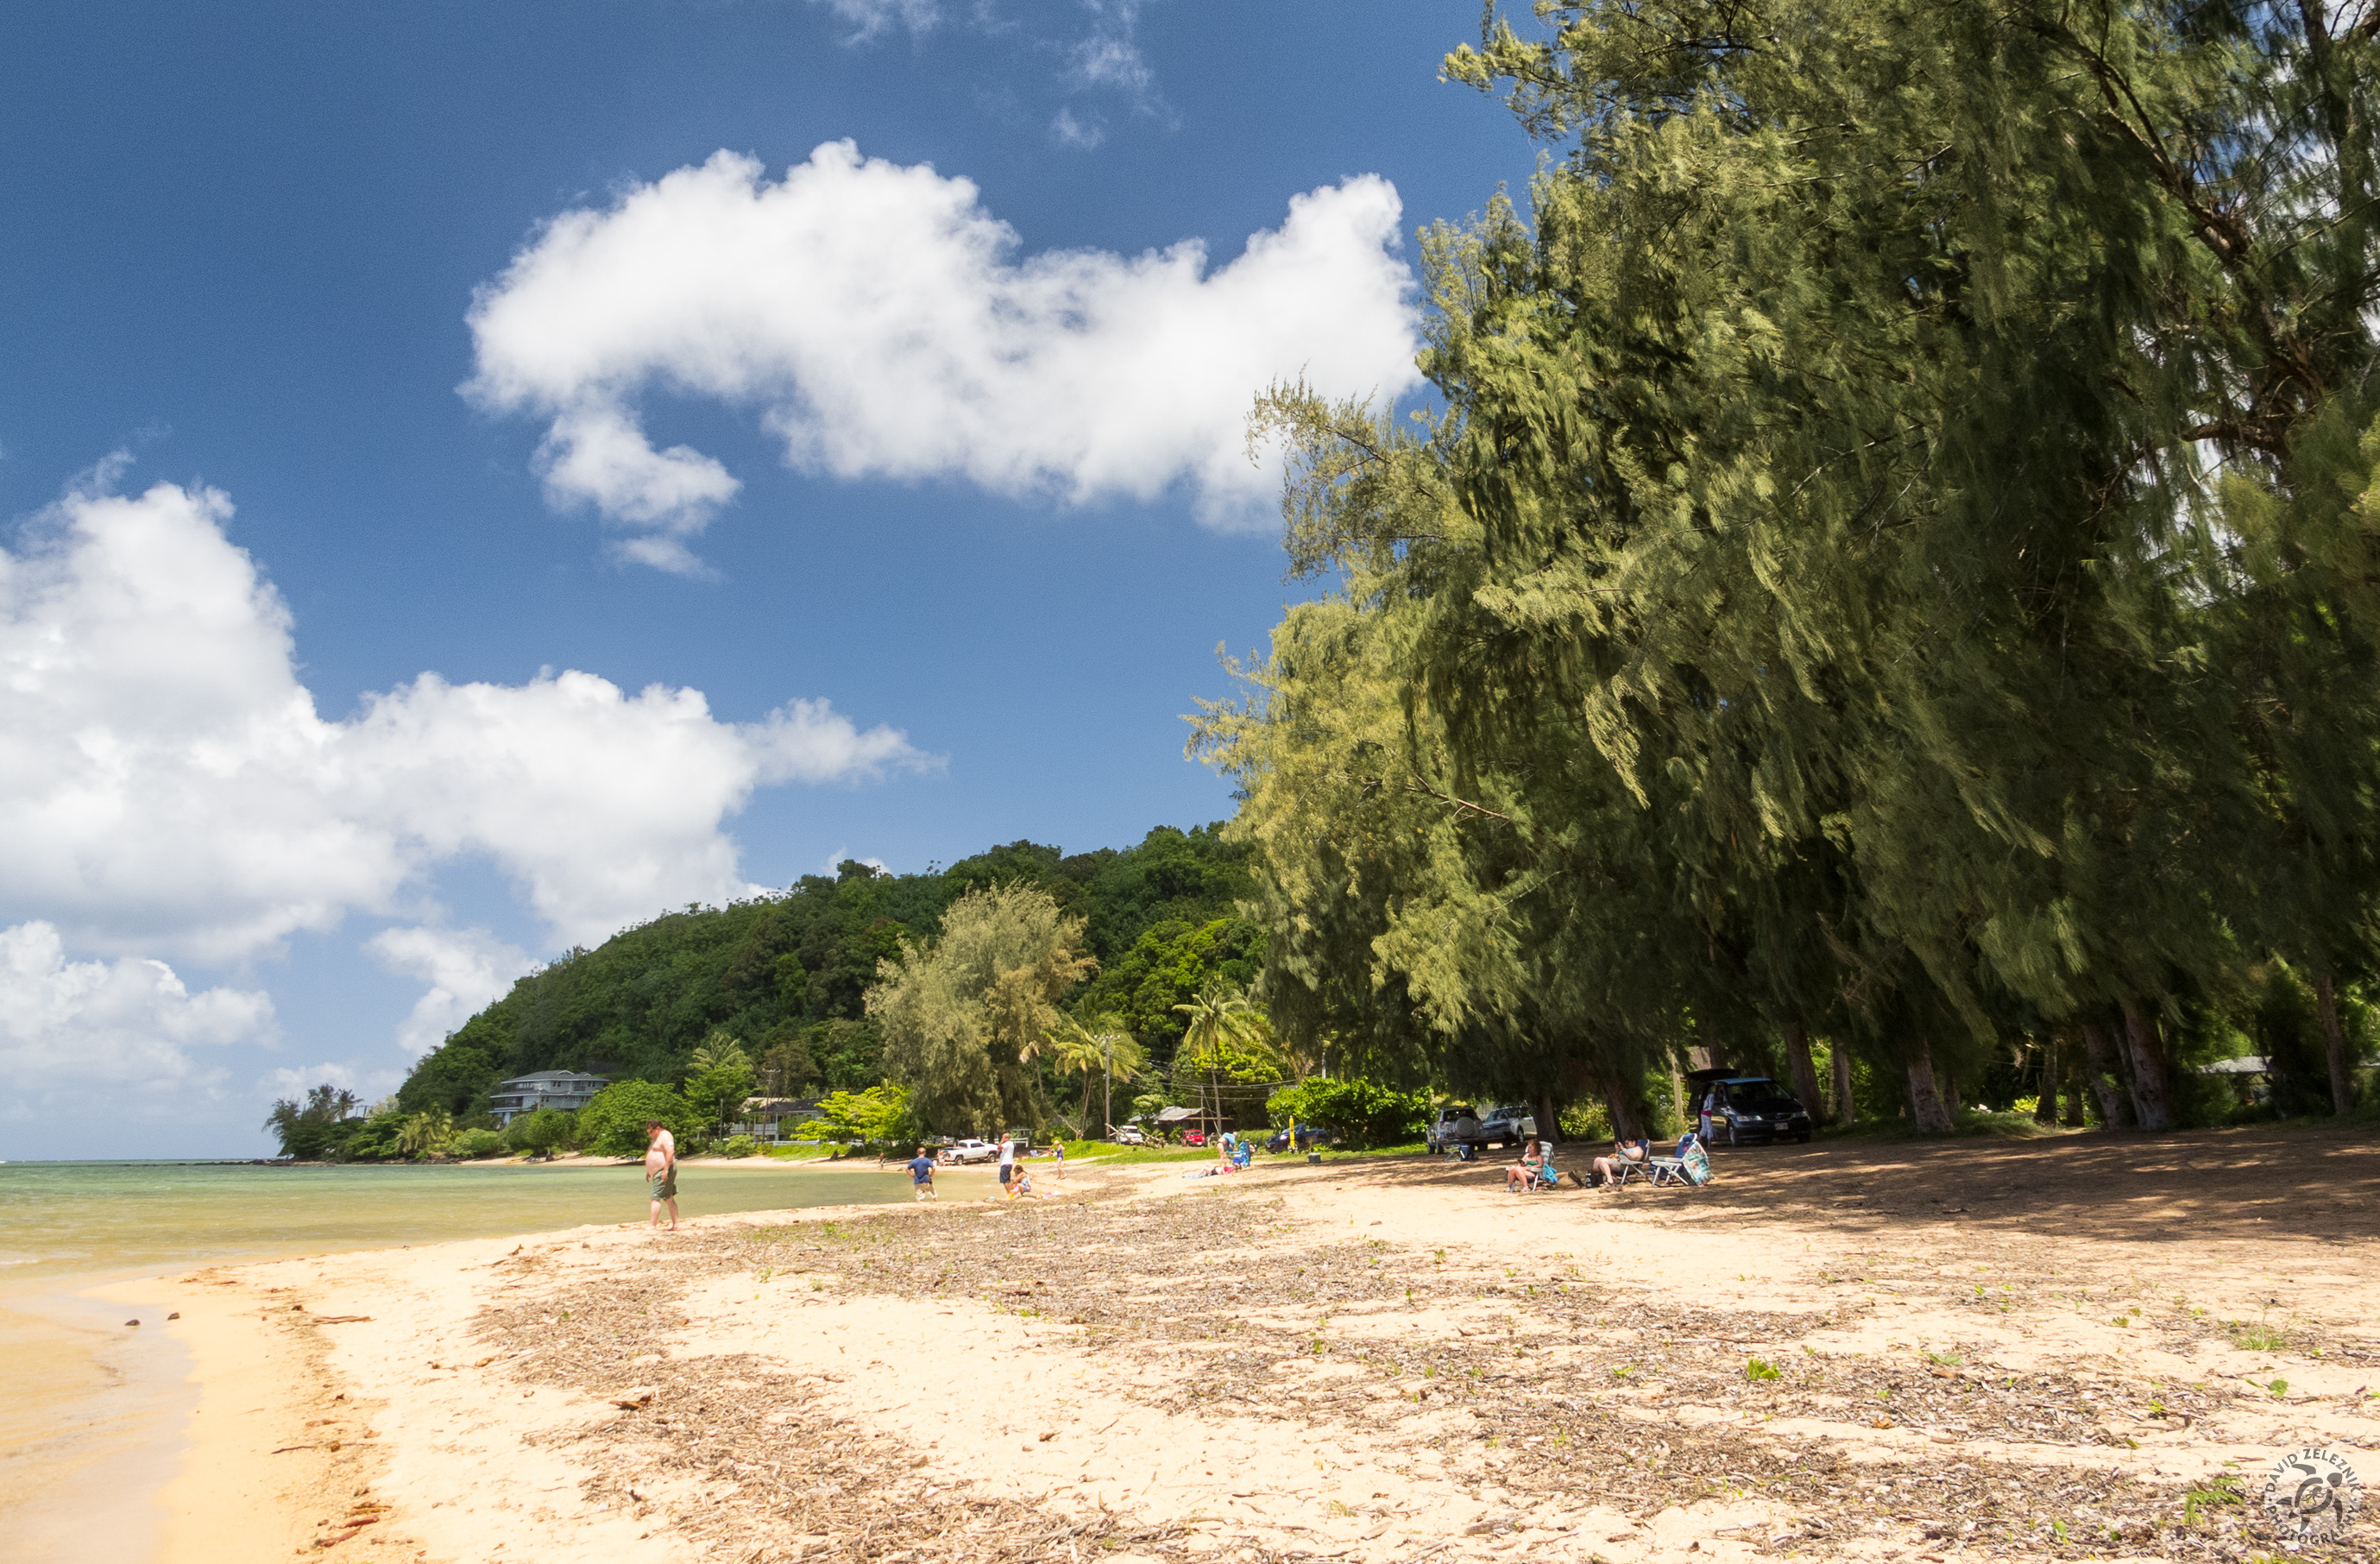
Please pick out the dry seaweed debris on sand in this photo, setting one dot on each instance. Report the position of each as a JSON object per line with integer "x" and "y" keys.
{"x": 1553, "y": 1391}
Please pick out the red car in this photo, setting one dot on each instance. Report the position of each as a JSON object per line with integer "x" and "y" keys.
{"x": 1194, "y": 1137}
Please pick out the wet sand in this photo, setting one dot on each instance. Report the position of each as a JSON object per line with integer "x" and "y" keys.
{"x": 97, "y": 1410}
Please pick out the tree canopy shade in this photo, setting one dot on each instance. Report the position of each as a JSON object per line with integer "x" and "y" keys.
{"x": 1896, "y": 555}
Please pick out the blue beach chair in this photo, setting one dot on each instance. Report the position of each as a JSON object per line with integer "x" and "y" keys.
{"x": 1691, "y": 1165}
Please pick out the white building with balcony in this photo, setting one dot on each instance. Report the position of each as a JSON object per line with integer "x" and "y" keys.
{"x": 564, "y": 1089}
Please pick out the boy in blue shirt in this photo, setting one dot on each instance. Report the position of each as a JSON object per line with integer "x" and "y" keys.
{"x": 921, "y": 1176}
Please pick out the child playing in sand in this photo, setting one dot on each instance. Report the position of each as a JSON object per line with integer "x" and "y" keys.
{"x": 661, "y": 1171}
{"x": 921, "y": 1176}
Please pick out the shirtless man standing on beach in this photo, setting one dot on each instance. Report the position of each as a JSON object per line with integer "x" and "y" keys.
{"x": 660, "y": 1172}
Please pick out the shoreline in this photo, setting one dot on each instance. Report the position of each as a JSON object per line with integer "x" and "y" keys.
{"x": 313, "y": 1428}
{"x": 101, "y": 1409}
{"x": 1363, "y": 1362}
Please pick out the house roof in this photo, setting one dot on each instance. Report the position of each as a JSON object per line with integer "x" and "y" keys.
{"x": 549, "y": 1078}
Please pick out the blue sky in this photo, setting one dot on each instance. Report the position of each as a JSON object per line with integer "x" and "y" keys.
{"x": 319, "y": 387}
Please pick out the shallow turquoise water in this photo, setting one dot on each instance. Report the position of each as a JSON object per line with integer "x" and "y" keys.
{"x": 89, "y": 1421}
{"x": 60, "y": 1220}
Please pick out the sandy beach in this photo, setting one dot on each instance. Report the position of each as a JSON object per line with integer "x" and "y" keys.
{"x": 1857, "y": 1351}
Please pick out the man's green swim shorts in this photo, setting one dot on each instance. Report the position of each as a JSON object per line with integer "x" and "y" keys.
{"x": 663, "y": 1185}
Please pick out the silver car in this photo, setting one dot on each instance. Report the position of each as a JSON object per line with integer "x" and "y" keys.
{"x": 959, "y": 1152}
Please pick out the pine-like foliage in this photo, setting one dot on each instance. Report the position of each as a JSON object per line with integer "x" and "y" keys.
{"x": 1898, "y": 507}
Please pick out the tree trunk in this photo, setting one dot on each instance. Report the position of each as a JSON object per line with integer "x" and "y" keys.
{"x": 1925, "y": 1110}
{"x": 1627, "y": 1124}
{"x": 2334, "y": 1046}
{"x": 2044, "y": 1106}
{"x": 2152, "y": 1083}
{"x": 1805, "y": 1074}
{"x": 1846, "y": 1111}
{"x": 2078, "y": 1112}
{"x": 1548, "y": 1122}
{"x": 1946, "y": 1085}
{"x": 2106, "y": 1084}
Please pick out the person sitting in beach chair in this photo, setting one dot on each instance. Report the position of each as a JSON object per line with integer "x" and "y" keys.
{"x": 1522, "y": 1174}
{"x": 1691, "y": 1165}
{"x": 1627, "y": 1160}
{"x": 1546, "y": 1177}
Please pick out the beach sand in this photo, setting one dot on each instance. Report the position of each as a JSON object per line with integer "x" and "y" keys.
{"x": 1855, "y": 1350}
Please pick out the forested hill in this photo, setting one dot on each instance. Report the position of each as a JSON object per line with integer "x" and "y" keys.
{"x": 784, "y": 974}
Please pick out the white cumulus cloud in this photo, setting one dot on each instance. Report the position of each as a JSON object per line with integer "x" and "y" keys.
{"x": 169, "y": 787}
{"x": 128, "y": 1023}
{"x": 881, "y": 324}
{"x": 466, "y": 968}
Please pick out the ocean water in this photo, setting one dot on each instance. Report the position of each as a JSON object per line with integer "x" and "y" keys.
{"x": 91, "y": 1422}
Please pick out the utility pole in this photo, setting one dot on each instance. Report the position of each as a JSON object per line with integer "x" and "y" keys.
{"x": 1107, "y": 1092}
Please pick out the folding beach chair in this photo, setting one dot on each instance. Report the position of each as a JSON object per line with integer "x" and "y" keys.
{"x": 1690, "y": 1166}
{"x": 1628, "y": 1169}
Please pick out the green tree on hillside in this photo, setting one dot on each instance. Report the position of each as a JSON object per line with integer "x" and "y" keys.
{"x": 788, "y": 972}
{"x": 719, "y": 1077}
{"x": 959, "y": 1014}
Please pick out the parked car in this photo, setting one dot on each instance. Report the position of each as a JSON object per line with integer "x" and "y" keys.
{"x": 1307, "y": 1137}
{"x": 1194, "y": 1137}
{"x": 1749, "y": 1110}
{"x": 1455, "y": 1126}
{"x": 970, "y": 1151}
{"x": 1508, "y": 1126}
{"x": 1459, "y": 1128}
{"x": 1129, "y": 1135}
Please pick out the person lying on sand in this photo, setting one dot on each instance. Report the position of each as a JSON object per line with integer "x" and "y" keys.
{"x": 661, "y": 1171}
{"x": 1524, "y": 1173}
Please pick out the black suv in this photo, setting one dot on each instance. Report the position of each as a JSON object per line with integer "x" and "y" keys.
{"x": 1748, "y": 1110}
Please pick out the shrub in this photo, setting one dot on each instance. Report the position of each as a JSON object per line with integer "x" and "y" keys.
{"x": 541, "y": 1131}
{"x": 374, "y": 1139}
{"x": 876, "y": 1115}
{"x": 476, "y": 1142}
{"x": 1362, "y": 1112}
{"x": 739, "y": 1145}
{"x": 612, "y": 1124}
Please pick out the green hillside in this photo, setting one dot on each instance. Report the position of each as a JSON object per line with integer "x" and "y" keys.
{"x": 785, "y": 973}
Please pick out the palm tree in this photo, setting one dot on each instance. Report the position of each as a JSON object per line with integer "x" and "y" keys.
{"x": 425, "y": 1131}
{"x": 718, "y": 1051}
{"x": 1101, "y": 1045}
{"x": 1225, "y": 1023}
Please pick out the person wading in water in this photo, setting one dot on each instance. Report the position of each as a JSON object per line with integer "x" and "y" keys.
{"x": 660, "y": 1172}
